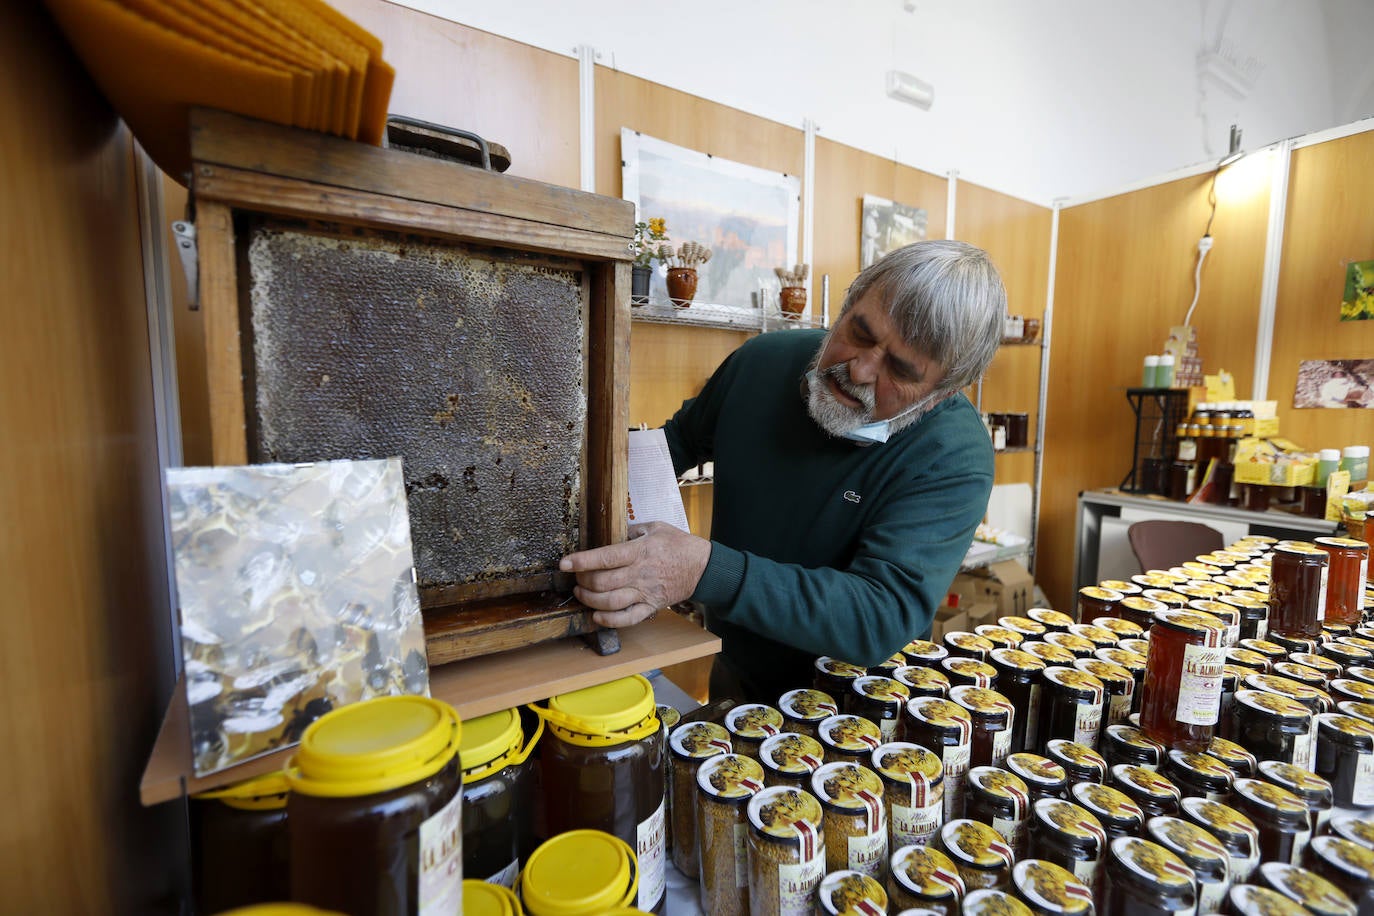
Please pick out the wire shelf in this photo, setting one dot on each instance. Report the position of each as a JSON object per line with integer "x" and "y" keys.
{"x": 712, "y": 315}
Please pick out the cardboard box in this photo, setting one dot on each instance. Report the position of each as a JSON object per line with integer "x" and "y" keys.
{"x": 981, "y": 612}
{"x": 1007, "y": 585}
{"x": 947, "y": 620}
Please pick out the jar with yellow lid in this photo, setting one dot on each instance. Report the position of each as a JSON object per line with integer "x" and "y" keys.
{"x": 913, "y": 792}
{"x": 1096, "y": 601}
{"x": 1050, "y": 619}
{"x": 1314, "y": 791}
{"x": 1023, "y": 625}
{"x": 725, "y": 784}
{"x": 804, "y": 708}
{"x": 1196, "y": 773}
{"x": 888, "y": 665}
{"x": 1201, "y": 852}
{"x": 1273, "y": 727}
{"x": 750, "y": 723}
{"x": 668, "y": 719}
{"x": 1000, "y": 799}
{"x": 1253, "y": 900}
{"x": 1119, "y": 684}
{"x": 601, "y": 763}
{"x": 855, "y": 817}
{"x": 1000, "y": 637}
{"x": 1019, "y": 679}
{"x": 1154, "y": 793}
{"x": 982, "y": 858}
{"x": 1080, "y": 762}
{"x": 849, "y": 893}
{"x": 1237, "y": 759}
{"x": 1117, "y": 814}
{"x": 376, "y": 808}
{"x": 1076, "y": 645}
{"x": 1126, "y": 744}
{"x": 1252, "y": 661}
{"x": 847, "y": 737}
{"x": 1315, "y": 700}
{"x": 1349, "y": 690}
{"x": 689, "y": 746}
{"x": 1068, "y": 835}
{"x": 924, "y": 652}
{"x": 1133, "y": 662}
{"x": 239, "y": 846}
{"x": 495, "y": 758}
{"x": 924, "y": 879}
{"x": 481, "y": 898}
{"x": 580, "y": 873}
{"x": 1363, "y": 711}
{"x": 1345, "y": 757}
{"x": 279, "y": 909}
{"x": 1346, "y": 864}
{"x": 989, "y": 902}
{"x": 968, "y": 645}
{"x": 992, "y": 716}
{"x": 1072, "y": 708}
{"x": 1043, "y": 777}
{"x": 921, "y": 681}
{"x": 1306, "y": 888}
{"x": 1047, "y": 653}
{"x": 786, "y": 851}
{"x": 1357, "y": 828}
{"x": 1283, "y": 820}
{"x": 1141, "y": 877}
{"x": 834, "y": 677}
{"x": 789, "y": 759}
{"x": 970, "y": 672}
{"x": 944, "y": 728}
{"x": 879, "y": 700}
{"x": 1120, "y": 627}
{"x": 1050, "y": 890}
{"x": 1236, "y": 833}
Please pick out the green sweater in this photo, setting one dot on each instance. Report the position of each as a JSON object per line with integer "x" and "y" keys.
{"x": 820, "y": 546}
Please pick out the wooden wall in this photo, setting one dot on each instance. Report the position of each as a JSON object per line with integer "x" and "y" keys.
{"x": 1124, "y": 277}
{"x": 1329, "y": 224}
{"x": 85, "y": 659}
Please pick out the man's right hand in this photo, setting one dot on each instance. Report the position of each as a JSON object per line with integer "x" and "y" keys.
{"x": 629, "y": 582}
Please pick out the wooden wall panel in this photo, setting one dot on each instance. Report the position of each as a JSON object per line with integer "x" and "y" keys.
{"x": 1329, "y": 224}
{"x": 522, "y": 97}
{"x": 1016, "y": 234}
{"x": 1124, "y": 277}
{"x": 85, "y": 661}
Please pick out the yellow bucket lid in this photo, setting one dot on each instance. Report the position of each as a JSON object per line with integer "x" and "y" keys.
{"x": 605, "y": 708}
{"x": 579, "y": 873}
{"x": 374, "y": 746}
{"x": 483, "y": 899}
{"x": 489, "y": 742}
{"x": 261, "y": 793}
{"x": 280, "y": 909}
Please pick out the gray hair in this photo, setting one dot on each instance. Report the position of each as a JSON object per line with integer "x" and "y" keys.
{"x": 947, "y": 301}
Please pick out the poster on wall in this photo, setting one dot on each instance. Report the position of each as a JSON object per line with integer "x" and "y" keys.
{"x": 1335, "y": 383}
{"x": 887, "y": 226}
{"x": 749, "y": 217}
{"x": 1358, "y": 302}
{"x": 297, "y": 593}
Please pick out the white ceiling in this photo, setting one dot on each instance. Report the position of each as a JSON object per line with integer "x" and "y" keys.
{"x": 1042, "y": 100}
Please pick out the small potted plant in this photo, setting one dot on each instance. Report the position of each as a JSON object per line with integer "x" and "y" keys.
{"x": 682, "y": 270}
{"x": 792, "y": 295}
{"x": 648, "y": 237}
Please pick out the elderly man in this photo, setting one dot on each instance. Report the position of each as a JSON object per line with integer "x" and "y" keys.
{"x": 850, "y": 474}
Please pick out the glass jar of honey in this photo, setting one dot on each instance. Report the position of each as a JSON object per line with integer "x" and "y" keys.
{"x": 1297, "y": 594}
{"x": 1362, "y": 711}
{"x": 913, "y": 791}
{"x": 1019, "y": 676}
{"x": 1096, "y": 601}
{"x": 495, "y": 755}
{"x": 1236, "y": 833}
{"x": 1043, "y": 777}
{"x": 992, "y": 715}
{"x": 980, "y": 855}
{"x": 1140, "y": 610}
{"x": 1201, "y": 852}
{"x": 1329, "y": 669}
{"x": 848, "y": 737}
{"x": 1346, "y": 864}
{"x": 1080, "y": 762}
{"x": 1024, "y": 625}
{"x": 689, "y": 746}
{"x": 1000, "y": 637}
{"x": 789, "y": 759}
{"x": 1133, "y": 662}
{"x": 1069, "y": 836}
{"x": 239, "y": 847}
{"x": 1348, "y": 572}
{"x": 1249, "y": 659}
{"x": 1051, "y": 620}
{"x": 1357, "y": 828}
{"x": 1050, "y": 890}
{"x": 1236, "y": 758}
{"x": 835, "y": 678}
{"x": 1345, "y": 757}
{"x": 1308, "y": 889}
{"x": 1142, "y": 877}
{"x": 946, "y": 729}
{"x": 1254, "y": 615}
{"x": 923, "y": 879}
{"x": 1344, "y": 655}
{"x": 1181, "y": 698}
{"x": 1273, "y": 727}
{"x": 970, "y": 672}
{"x": 1315, "y": 700}
{"x": 1314, "y": 791}
{"x": 1047, "y": 653}
{"x": 1117, "y": 814}
{"x": 925, "y": 653}
{"x": 1100, "y": 637}
{"x": 1126, "y": 744}
{"x": 1348, "y": 690}
{"x": 725, "y": 783}
{"x": 803, "y": 709}
{"x": 1252, "y": 900}
{"x": 967, "y": 645}
{"x": 1197, "y": 774}
{"x": 579, "y": 873}
{"x": 879, "y": 700}
{"x": 1076, "y": 645}
{"x": 1119, "y": 627}
{"x": 989, "y": 902}
{"x": 1119, "y": 684}
{"x": 1153, "y": 793}
{"x": 999, "y": 798}
{"x": 921, "y": 681}
{"x": 889, "y": 665}
{"x": 1284, "y": 823}
{"x": 375, "y": 811}
{"x": 749, "y": 723}
{"x": 1073, "y": 706}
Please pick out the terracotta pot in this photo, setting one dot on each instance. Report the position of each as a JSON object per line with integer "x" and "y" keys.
{"x": 682, "y": 285}
{"x": 793, "y": 301}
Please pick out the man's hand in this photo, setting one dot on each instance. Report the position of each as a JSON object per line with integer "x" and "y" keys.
{"x": 660, "y": 565}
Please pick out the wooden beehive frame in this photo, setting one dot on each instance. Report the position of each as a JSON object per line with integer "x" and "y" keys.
{"x": 242, "y": 166}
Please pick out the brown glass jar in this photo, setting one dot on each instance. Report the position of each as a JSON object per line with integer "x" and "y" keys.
{"x": 1236, "y": 758}
{"x": 1295, "y": 644}
{"x": 1069, "y": 836}
{"x": 1201, "y": 852}
{"x": 992, "y": 715}
{"x": 1346, "y": 656}
{"x": 913, "y": 791}
{"x": 1196, "y": 774}
{"x": 1072, "y": 706}
{"x": 1300, "y": 673}
{"x": 1080, "y": 762}
{"x": 1047, "y": 653}
{"x": 835, "y": 678}
{"x": 1252, "y": 900}
{"x": 855, "y": 818}
{"x": 1172, "y": 600}
{"x": 1345, "y": 758}
{"x": 1152, "y": 792}
{"x": 1141, "y": 877}
{"x": 999, "y": 798}
{"x": 1140, "y": 647}
{"x": 1314, "y": 791}
{"x": 803, "y": 709}
{"x": 601, "y": 767}
{"x": 1119, "y": 627}
{"x": 785, "y": 850}
{"x": 988, "y": 902}
{"x": 1348, "y": 571}
{"x": 1357, "y": 828}
{"x": 1043, "y": 777}
{"x": 885, "y": 668}
{"x": 1364, "y": 711}
{"x": 1121, "y": 585}
{"x": 923, "y": 682}
{"x": 1051, "y": 620}
{"x": 1315, "y": 700}
{"x": 1117, "y": 814}
{"x": 1296, "y": 595}
{"x": 1000, "y": 637}
{"x": 1019, "y": 676}
{"x": 239, "y": 847}
{"x": 970, "y": 672}
{"x": 1140, "y": 610}
{"x": 982, "y": 858}
{"x": 1236, "y": 833}
{"x": 1346, "y": 864}
{"x": 925, "y": 879}
{"x": 845, "y": 893}
{"x": 690, "y": 745}
{"x": 879, "y": 700}
{"x": 1133, "y": 662}
{"x": 1251, "y": 661}
{"x": 668, "y": 719}
{"x": 1125, "y": 744}
{"x": 1254, "y": 615}
{"x": 1306, "y": 888}
{"x": 1119, "y": 684}
{"x": 789, "y": 759}
{"x": 1023, "y": 625}
{"x": 1075, "y": 645}
{"x": 1100, "y": 637}
{"x": 1273, "y": 727}
{"x": 1182, "y": 694}
{"x": 1050, "y": 889}
{"x": 375, "y": 812}
{"x": 924, "y": 653}
{"x": 1361, "y": 673}
{"x": 945, "y": 728}
{"x": 848, "y": 737}
{"x": 967, "y": 645}
{"x": 495, "y": 772}
{"x": 1282, "y": 818}
{"x": 1273, "y": 652}
{"x": 1349, "y": 690}
{"x": 1096, "y": 601}
{"x": 725, "y": 784}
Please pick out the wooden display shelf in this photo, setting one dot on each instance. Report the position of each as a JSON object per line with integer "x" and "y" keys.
{"x": 474, "y": 687}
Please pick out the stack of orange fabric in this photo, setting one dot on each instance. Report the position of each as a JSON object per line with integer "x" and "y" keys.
{"x": 295, "y": 62}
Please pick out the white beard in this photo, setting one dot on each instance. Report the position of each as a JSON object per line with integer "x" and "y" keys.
{"x": 837, "y": 418}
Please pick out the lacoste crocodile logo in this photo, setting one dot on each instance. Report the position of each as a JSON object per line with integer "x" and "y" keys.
{"x": 852, "y": 496}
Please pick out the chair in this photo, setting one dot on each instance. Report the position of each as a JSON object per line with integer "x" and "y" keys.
{"x": 1160, "y": 543}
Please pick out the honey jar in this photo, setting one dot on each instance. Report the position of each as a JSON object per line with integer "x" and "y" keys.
{"x": 803, "y": 709}
{"x": 789, "y": 759}
{"x": 921, "y": 681}
{"x": 913, "y": 791}
{"x": 1201, "y": 852}
{"x": 1283, "y": 820}
{"x": 1237, "y": 834}
{"x": 1043, "y": 777}
{"x": 923, "y": 879}
{"x": 239, "y": 847}
{"x": 1069, "y": 836}
{"x": 848, "y": 737}
{"x": 1019, "y": 676}
{"x": 1297, "y": 595}
{"x": 835, "y": 678}
{"x": 1314, "y": 791}
{"x": 879, "y": 700}
{"x": 1348, "y": 570}
{"x": 495, "y": 755}
{"x": 580, "y": 873}
{"x": 992, "y": 716}
{"x": 1117, "y": 814}
{"x": 944, "y": 728}
{"x": 1000, "y": 799}
{"x": 982, "y": 858}
{"x": 1181, "y": 699}
{"x": 1142, "y": 877}
{"x": 1072, "y": 706}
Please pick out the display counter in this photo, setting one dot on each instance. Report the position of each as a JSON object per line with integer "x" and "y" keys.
{"x": 1102, "y": 551}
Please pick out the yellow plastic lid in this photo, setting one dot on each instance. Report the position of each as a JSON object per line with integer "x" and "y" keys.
{"x": 616, "y": 706}
{"x": 483, "y": 899}
{"x": 489, "y": 742}
{"x": 261, "y": 793}
{"x": 374, "y": 746}
{"x": 280, "y": 909}
{"x": 579, "y": 873}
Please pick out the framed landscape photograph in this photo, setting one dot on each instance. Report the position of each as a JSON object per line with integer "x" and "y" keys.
{"x": 886, "y": 226}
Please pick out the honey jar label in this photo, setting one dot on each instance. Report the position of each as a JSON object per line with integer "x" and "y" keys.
{"x": 868, "y": 852}
{"x": 915, "y": 825}
{"x": 1199, "y": 685}
{"x": 1033, "y": 716}
{"x": 1013, "y": 830}
{"x": 506, "y": 876}
{"x": 441, "y": 860}
{"x": 797, "y": 883}
{"x": 1362, "y": 794}
{"x": 1087, "y": 723}
{"x": 741, "y": 854}
{"x": 653, "y": 877}
{"x": 1211, "y": 895}
{"x": 955, "y": 758}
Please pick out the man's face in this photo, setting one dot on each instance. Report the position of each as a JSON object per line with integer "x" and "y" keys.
{"x": 867, "y": 372}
